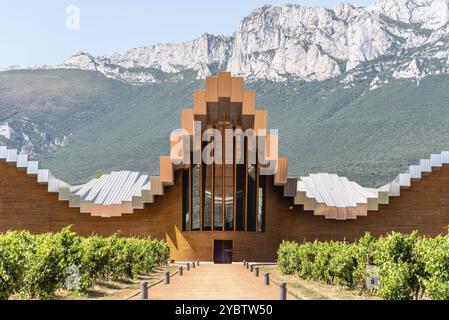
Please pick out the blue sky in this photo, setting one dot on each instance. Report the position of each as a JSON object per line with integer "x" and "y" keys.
{"x": 34, "y": 32}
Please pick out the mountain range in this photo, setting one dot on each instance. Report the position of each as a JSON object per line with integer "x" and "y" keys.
{"x": 295, "y": 42}
{"x": 357, "y": 91}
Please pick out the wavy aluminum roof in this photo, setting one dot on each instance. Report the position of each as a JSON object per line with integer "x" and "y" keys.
{"x": 334, "y": 191}
{"x": 113, "y": 189}
{"x": 338, "y": 198}
{"x": 111, "y": 195}
{"x": 44, "y": 176}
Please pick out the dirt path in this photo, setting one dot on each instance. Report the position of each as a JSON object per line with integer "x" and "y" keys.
{"x": 216, "y": 282}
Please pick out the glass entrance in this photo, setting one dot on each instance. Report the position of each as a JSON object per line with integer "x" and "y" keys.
{"x": 226, "y": 195}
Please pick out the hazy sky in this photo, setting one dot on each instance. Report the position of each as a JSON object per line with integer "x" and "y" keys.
{"x": 35, "y": 32}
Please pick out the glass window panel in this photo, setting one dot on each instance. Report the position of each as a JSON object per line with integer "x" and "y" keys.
{"x": 185, "y": 201}
{"x": 196, "y": 197}
{"x": 251, "y": 208}
{"x": 261, "y": 205}
{"x": 240, "y": 198}
{"x": 207, "y": 197}
{"x": 218, "y": 197}
{"x": 229, "y": 197}
{"x": 228, "y": 192}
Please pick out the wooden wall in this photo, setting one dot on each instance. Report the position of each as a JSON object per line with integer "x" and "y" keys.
{"x": 24, "y": 204}
{"x": 423, "y": 207}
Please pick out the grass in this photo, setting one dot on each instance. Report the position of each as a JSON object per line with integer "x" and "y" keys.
{"x": 121, "y": 289}
{"x": 311, "y": 290}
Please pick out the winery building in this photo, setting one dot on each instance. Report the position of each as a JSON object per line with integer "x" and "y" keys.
{"x": 230, "y": 210}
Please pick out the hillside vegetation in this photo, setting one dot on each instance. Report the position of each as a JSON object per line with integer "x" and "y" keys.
{"x": 327, "y": 126}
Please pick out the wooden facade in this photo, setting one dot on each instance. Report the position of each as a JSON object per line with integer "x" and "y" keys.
{"x": 423, "y": 205}
{"x": 24, "y": 204}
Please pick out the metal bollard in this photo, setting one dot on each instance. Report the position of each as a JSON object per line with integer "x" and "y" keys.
{"x": 188, "y": 266}
{"x": 144, "y": 290}
{"x": 257, "y": 272}
{"x": 252, "y": 268}
{"x": 167, "y": 277}
{"x": 282, "y": 291}
{"x": 193, "y": 264}
{"x": 266, "y": 279}
{"x": 180, "y": 270}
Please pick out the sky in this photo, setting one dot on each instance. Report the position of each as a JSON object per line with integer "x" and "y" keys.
{"x": 49, "y": 31}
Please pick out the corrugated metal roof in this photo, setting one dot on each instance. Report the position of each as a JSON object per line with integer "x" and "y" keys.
{"x": 114, "y": 188}
{"x": 445, "y": 157}
{"x": 342, "y": 198}
{"x": 110, "y": 195}
{"x": 11, "y": 155}
{"x": 33, "y": 167}
{"x": 436, "y": 160}
{"x": 3, "y": 152}
{"x": 44, "y": 176}
{"x": 22, "y": 161}
{"x": 332, "y": 191}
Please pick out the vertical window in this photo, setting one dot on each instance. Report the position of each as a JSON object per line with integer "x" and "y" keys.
{"x": 229, "y": 197}
{"x": 261, "y": 205}
{"x": 240, "y": 182}
{"x": 228, "y": 181}
{"x": 240, "y": 198}
{"x": 207, "y": 197}
{"x": 196, "y": 197}
{"x": 218, "y": 197}
{"x": 251, "y": 204}
{"x": 185, "y": 201}
{"x": 225, "y": 196}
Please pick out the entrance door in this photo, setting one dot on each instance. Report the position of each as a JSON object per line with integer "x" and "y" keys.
{"x": 223, "y": 251}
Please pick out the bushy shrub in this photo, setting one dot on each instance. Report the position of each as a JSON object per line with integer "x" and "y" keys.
{"x": 45, "y": 271}
{"x": 70, "y": 244}
{"x": 288, "y": 257}
{"x": 400, "y": 267}
{"x": 343, "y": 265}
{"x": 363, "y": 252}
{"x": 396, "y": 247}
{"x": 94, "y": 264}
{"x": 306, "y": 254}
{"x": 434, "y": 254}
{"x": 13, "y": 249}
{"x": 35, "y": 266}
{"x": 396, "y": 281}
{"x": 321, "y": 265}
{"x": 154, "y": 253}
{"x": 409, "y": 266}
{"x": 122, "y": 261}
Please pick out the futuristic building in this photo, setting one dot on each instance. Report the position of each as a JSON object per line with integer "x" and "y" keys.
{"x": 238, "y": 207}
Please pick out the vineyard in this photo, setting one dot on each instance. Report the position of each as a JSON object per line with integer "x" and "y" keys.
{"x": 36, "y": 266}
{"x": 408, "y": 266}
